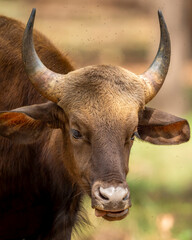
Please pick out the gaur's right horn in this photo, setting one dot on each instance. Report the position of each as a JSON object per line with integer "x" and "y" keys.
{"x": 43, "y": 79}
{"x": 154, "y": 77}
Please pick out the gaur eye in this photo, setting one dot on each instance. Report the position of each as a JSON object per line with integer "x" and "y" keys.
{"x": 76, "y": 134}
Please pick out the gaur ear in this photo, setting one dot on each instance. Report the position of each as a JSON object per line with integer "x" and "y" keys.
{"x": 161, "y": 128}
{"x": 26, "y": 124}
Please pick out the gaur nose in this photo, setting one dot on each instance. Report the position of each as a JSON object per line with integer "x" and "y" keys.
{"x": 114, "y": 194}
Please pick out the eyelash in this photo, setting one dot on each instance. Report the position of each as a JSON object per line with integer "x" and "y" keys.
{"x": 135, "y": 134}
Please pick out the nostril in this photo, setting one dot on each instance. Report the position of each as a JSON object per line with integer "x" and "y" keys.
{"x": 126, "y": 197}
{"x": 103, "y": 193}
{"x": 103, "y": 196}
{"x": 113, "y": 194}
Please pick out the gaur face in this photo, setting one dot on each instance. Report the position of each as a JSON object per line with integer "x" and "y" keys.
{"x": 99, "y": 110}
{"x": 101, "y": 124}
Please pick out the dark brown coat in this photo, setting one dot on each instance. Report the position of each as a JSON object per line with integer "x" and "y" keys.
{"x": 30, "y": 199}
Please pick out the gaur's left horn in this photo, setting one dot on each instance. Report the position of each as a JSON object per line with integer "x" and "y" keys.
{"x": 43, "y": 79}
{"x": 155, "y": 75}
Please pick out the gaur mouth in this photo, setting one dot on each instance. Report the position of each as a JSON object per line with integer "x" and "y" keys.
{"x": 112, "y": 215}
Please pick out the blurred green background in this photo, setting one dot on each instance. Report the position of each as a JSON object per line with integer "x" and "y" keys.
{"x": 126, "y": 33}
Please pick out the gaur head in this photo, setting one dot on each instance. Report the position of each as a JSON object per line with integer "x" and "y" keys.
{"x": 99, "y": 111}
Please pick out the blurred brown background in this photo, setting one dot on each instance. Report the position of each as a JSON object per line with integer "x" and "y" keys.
{"x": 126, "y": 33}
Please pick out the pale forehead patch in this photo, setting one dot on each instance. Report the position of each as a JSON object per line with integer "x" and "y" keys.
{"x": 103, "y": 89}
{"x": 109, "y": 114}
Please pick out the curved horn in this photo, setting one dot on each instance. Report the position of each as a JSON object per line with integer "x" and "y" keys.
{"x": 43, "y": 79}
{"x": 155, "y": 75}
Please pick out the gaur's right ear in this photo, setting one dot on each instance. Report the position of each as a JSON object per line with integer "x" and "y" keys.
{"x": 26, "y": 124}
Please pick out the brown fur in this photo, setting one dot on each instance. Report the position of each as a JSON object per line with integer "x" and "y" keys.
{"x": 27, "y": 206}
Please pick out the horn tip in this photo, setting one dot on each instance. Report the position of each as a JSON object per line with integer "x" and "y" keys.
{"x": 33, "y": 12}
{"x": 31, "y": 18}
{"x": 161, "y": 18}
{"x": 160, "y": 14}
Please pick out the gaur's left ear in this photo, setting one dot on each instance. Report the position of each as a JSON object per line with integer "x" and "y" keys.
{"x": 25, "y": 125}
{"x": 161, "y": 128}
